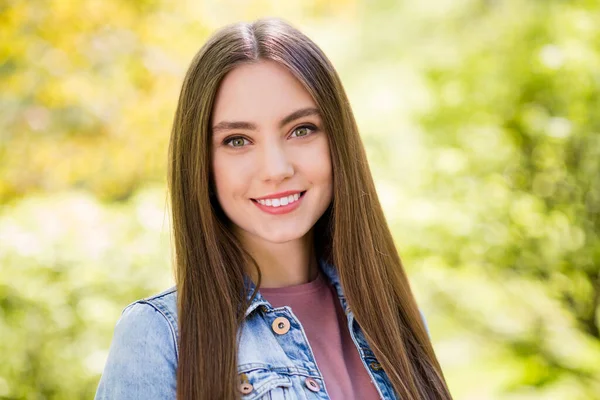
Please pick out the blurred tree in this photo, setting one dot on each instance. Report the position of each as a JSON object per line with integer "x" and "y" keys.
{"x": 514, "y": 133}
{"x": 69, "y": 266}
{"x": 86, "y": 95}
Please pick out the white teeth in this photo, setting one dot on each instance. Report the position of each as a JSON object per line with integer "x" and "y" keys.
{"x": 280, "y": 202}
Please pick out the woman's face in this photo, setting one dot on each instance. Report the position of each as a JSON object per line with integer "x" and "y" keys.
{"x": 268, "y": 146}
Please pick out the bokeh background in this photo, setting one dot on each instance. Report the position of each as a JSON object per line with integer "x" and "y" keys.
{"x": 481, "y": 119}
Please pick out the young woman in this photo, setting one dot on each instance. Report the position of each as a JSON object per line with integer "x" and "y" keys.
{"x": 289, "y": 285}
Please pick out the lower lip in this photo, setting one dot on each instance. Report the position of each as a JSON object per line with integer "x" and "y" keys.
{"x": 281, "y": 209}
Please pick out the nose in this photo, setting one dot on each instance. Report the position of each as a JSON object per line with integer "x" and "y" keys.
{"x": 276, "y": 163}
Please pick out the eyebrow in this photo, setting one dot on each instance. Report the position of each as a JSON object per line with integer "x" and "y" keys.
{"x": 231, "y": 125}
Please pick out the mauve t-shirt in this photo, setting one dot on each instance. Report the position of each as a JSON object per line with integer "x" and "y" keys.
{"x": 319, "y": 310}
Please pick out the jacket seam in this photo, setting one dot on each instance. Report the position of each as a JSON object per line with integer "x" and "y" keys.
{"x": 170, "y": 325}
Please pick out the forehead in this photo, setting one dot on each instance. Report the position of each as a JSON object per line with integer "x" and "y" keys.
{"x": 259, "y": 92}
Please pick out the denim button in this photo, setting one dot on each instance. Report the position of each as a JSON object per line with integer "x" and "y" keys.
{"x": 281, "y": 325}
{"x": 312, "y": 385}
{"x": 245, "y": 388}
{"x": 375, "y": 366}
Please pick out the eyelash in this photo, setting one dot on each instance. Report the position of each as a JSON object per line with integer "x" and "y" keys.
{"x": 312, "y": 128}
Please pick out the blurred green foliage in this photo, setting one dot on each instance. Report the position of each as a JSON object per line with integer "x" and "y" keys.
{"x": 480, "y": 119}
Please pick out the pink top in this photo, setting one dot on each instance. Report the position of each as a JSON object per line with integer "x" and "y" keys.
{"x": 327, "y": 332}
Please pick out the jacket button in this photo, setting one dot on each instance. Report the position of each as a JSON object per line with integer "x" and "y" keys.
{"x": 375, "y": 366}
{"x": 281, "y": 325}
{"x": 312, "y": 385}
{"x": 245, "y": 388}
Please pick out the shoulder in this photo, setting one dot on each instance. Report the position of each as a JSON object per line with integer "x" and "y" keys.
{"x": 157, "y": 311}
{"x": 143, "y": 356}
{"x": 163, "y": 304}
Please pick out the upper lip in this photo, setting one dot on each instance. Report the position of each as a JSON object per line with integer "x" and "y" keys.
{"x": 279, "y": 195}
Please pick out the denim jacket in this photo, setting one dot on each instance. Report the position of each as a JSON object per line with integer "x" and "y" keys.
{"x": 142, "y": 360}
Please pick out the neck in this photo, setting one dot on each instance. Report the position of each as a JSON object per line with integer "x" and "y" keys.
{"x": 282, "y": 264}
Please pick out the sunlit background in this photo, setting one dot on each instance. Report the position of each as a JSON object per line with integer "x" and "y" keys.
{"x": 481, "y": 119}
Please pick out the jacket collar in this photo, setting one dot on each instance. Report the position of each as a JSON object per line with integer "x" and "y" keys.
{"x": 329, "y": 270}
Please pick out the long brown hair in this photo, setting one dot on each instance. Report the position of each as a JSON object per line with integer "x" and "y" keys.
{"x": 352, "y": 235}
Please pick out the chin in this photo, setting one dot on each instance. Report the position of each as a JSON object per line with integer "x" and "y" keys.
{"x": 281, "y": 237}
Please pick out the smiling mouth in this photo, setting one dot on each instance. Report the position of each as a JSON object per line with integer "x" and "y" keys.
{"x": 281, "y": 202}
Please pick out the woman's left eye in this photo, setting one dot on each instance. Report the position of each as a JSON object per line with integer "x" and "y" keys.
{"x": 304, "y": 130}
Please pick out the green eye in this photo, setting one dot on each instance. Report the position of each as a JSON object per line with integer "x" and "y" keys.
{"x": 304, "y": 130}
{"x": 236, "y": 141}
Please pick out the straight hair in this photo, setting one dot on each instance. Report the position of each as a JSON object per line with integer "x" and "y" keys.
{"x": 352, "y": 234}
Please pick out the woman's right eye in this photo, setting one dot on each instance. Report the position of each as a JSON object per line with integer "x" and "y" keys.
{"x": 236, "y": 141}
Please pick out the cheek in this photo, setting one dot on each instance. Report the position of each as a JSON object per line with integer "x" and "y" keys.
{"x": 218, "y": 173}
{"x": 320, "y": 164}
{"x": 226, "y": 176}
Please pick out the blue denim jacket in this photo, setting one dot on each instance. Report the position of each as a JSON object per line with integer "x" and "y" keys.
{"x": 143, "y": 356}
